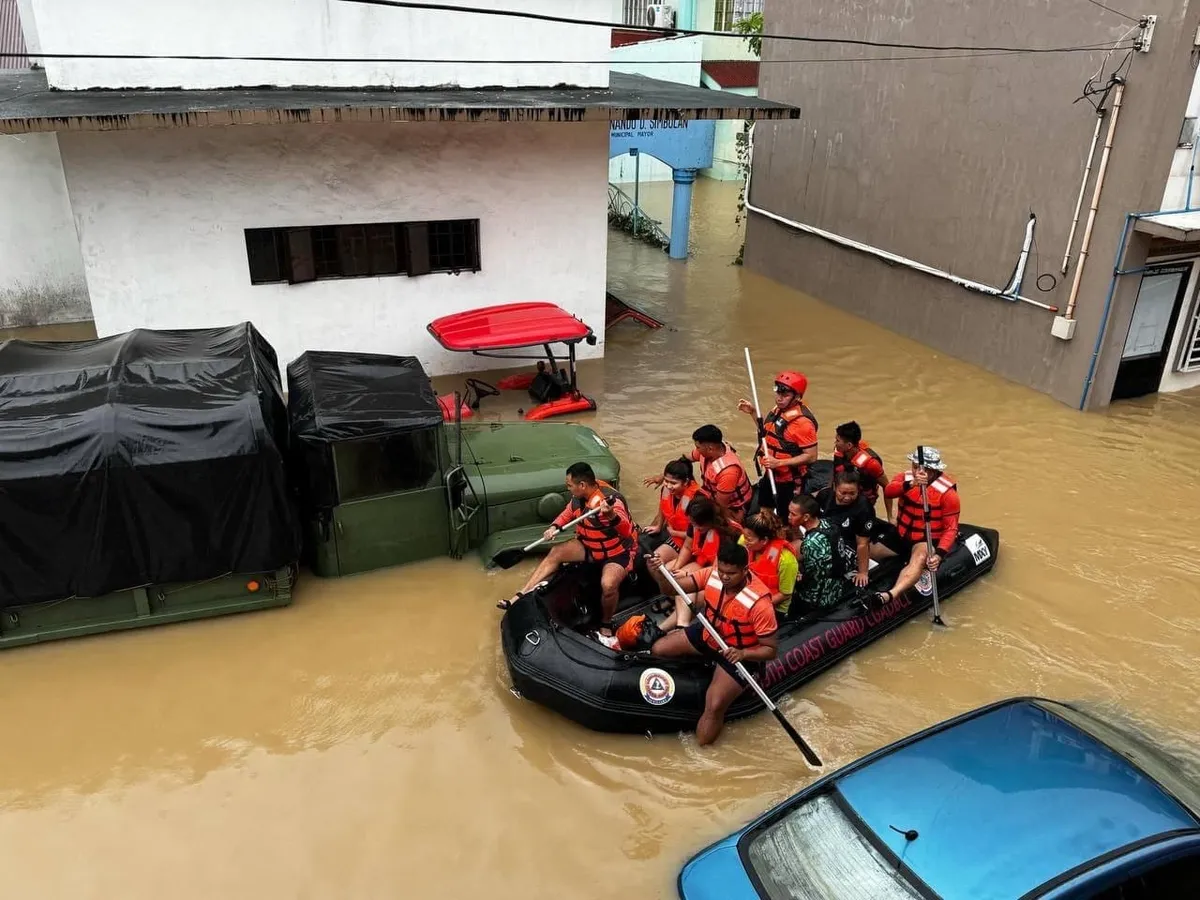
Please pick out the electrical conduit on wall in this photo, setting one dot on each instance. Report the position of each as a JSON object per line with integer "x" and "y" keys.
{"x": 1006, "y": 293}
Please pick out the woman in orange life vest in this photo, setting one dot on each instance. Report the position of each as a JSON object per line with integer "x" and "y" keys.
{"x": 664, "y": 536}
{"x": 739, "y": 606}
{"x": 852, "y": 453}
{"x": 608, "y": 538}
{"x": 772, "y": 559}
{"x": 790, "y": 430}
{"x": 707, "y": 529}
{"x": 723, "y": 477}
{"x": 906, "y": 538}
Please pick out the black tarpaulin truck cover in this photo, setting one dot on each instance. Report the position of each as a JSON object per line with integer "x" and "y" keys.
{"x": 145, "y": 458}
{"x": 334, "y": 397}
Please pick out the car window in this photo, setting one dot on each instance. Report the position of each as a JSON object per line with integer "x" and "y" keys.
{"x": 816, "y": 851}
{"x": 1175, "y": 880}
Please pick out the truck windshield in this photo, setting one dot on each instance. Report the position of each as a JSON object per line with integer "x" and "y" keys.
{"x": 816, "y": 851}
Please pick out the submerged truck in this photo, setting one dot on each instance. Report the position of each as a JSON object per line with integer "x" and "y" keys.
{"x": 384, "y": 478}
{"x": 143, "y": 480}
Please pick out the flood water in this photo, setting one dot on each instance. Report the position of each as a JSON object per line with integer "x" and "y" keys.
{"x": 363, "y": 742}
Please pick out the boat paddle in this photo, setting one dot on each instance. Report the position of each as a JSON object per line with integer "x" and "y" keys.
{"x": 809, "y": 754}
{"x": 937, "y": 613}
{"x": 762, "y": 435}
{"x": 509, "y": 557}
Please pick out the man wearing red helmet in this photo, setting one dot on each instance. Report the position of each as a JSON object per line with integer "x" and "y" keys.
{"x": 790, "y": 430}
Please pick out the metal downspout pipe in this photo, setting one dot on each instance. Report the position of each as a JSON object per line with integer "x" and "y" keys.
{"x": 893, "y": 258}
{"x": 1085, "y": 247}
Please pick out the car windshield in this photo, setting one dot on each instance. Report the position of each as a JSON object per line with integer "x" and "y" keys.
{"x": 816, "y": 851}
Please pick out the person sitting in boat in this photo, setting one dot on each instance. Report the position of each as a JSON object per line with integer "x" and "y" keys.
{"x": 821, "y": 581}
{"x": 852, "y": 454}
{"x": 608, "y": 538}
{"x": 723, "y": 477}
{"x": 707, "y": 528}
{"x": 739, "y": 607}
{"x": 790, "y": 432}
{"x": 664, "y": 536}
{"x": 772, "y": 558}
{"x": 906, "y": 539}
{"x": 844, "y": 505}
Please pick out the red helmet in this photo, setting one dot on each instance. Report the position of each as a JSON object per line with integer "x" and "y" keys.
{"x": 793, "y": 381}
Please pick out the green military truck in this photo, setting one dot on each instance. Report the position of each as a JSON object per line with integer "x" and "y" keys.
{"x": 143, "y": 480}
{"x": 384, "y": 479}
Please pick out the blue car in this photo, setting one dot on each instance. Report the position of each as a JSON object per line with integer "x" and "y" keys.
{"x": 1020, "y": 799}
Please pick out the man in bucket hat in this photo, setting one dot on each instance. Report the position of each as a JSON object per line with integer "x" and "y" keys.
{"x": 925, "y": 485}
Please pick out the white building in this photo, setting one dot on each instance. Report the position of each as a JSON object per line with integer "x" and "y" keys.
{"x": 336, "y": 204}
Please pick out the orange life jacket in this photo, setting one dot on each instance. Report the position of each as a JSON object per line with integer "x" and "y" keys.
{"x": 765, "y": 563}
{"x": 604, "y": 541}
{"x": 859, "y": 457}
{"x": 775, "y": 424}
{"x": 730, "y": 615}
{"x": 674, "y": 509}
{"x": 910, "y": 517}
{"x": 744, "y": 491}
{"x": 705, "y": 544}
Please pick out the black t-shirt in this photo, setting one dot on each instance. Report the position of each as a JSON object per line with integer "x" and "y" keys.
{"x": 853, "y": 521}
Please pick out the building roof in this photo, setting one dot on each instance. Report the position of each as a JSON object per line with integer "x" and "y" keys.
{"x": 732, "y": 73}
{"x": 622, "y": 37}
{"x": 1006, "y": 800}
{"x": 1175, "y": 225}
{"x": 27, "y": 104}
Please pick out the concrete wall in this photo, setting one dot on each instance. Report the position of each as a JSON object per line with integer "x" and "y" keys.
{"x": 41, "y": 270}
{"x": 1176, "y": 194}
{"x": 161, "y": 218}
{"x": 670, "y": 59}
{"x": 942, "y": 161}
{"x": 724, "y": 167}
{"x": 317, "y": 28}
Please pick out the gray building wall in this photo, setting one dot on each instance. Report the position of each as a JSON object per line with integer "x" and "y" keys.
{"x": 942, "y": 161}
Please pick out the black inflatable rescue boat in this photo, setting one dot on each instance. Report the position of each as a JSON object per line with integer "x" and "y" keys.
{"x": 552, "y": 660}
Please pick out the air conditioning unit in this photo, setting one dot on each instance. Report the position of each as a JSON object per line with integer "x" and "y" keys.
{"x": 660, "y": 15}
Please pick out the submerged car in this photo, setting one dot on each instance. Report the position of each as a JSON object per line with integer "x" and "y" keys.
{"x": 1025, "y": 798}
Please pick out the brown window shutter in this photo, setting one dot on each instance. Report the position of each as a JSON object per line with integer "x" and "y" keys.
{"x": 418, "y": 248}
{"x": 301, "y": 265}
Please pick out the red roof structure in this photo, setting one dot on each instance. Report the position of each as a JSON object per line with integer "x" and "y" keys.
{"x": 623, "y": 37}
{"x": 507, "y": 327}
{"x": 732, "y": 73}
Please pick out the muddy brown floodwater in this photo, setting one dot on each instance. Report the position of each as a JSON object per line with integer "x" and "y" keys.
{"x": 363, "y": 742}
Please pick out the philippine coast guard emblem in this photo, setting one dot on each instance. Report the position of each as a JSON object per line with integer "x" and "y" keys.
{"x": 658, "y": 687}
{"x": 925, "y": 583}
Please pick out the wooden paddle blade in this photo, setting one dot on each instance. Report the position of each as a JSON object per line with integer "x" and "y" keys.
{"x": 506, "y": 559}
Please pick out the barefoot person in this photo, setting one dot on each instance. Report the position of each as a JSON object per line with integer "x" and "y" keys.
{"x": 607, "y": 538}
{"x": 739, "y": 606}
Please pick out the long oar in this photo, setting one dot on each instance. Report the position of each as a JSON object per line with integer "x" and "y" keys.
{"x": 937, "y": 613}
{"x": 758, "y": 413}
{"x": 808, "y": 752}
{"x": 506, "y": 559}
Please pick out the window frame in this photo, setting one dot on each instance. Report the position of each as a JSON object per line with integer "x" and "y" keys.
{"x": 309, "y": 253}
{"x": 430, "y": 433}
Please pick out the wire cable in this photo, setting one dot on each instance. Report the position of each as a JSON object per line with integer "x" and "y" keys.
{"x": 800, "y": 38}
{"x": 199, "y": 57}
{"x": 1115, "y": 12}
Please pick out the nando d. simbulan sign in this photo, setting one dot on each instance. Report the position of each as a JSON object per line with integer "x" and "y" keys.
{"x": 681, "y": 145}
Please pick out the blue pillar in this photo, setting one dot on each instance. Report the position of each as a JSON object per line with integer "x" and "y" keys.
{"x": 686, "y": 18}
{"x": 681, "y": 211}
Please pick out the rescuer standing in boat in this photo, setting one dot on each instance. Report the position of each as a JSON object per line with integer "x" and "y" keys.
{"x": 790, "y": 431}
{"x": 608, "y": 538}
{"x": 739, "y": 606}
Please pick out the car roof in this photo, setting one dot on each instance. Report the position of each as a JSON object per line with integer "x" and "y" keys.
{"x": 1006, "y": 800}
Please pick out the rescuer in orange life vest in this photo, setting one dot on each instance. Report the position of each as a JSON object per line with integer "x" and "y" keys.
{"x": 723, "y": 477}
{"x": 608, "y": 538}
{"x": 852, "y": 454}
{"x": 790, "y": 430}
{"x": 906, "y": 538}
{"x": 739, "y": 606}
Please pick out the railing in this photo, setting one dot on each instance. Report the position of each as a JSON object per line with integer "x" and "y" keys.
{"x": 623, "y": 213}
{"x": 635, "y": 12}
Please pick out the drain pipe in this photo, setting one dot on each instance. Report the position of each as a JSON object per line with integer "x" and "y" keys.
{"x": 970, "y": 285}
{"x": 1014, "y": 286}
{"x": 1087, "y": 173}
{"x": 1087, "y": 231}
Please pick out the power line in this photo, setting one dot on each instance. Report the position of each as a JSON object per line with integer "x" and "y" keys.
{"x": 195, "y": 57}
{"x": 1115, "y": 12}
{"x": 569, "y": 20}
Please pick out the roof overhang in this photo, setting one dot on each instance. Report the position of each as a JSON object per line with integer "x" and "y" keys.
{"x": 27, "y": 104}
{"x": 1175, "y": 226}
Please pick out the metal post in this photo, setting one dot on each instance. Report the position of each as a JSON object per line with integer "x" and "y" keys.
{"x": 637, "y": 186}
